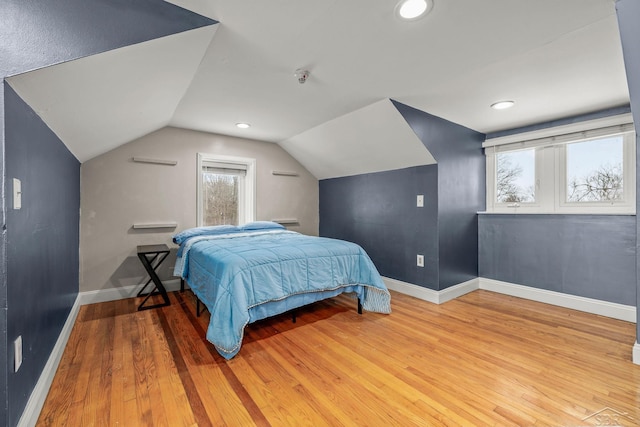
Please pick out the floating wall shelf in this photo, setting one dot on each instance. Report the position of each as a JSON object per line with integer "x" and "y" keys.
{"x": 285, "y": 173}
{"x": 155, "y": 161}
{"x": 155, "y": 225}
{"x": 284, "y": 221}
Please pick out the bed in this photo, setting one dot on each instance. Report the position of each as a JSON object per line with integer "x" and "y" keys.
{"x": 243, "y": 274}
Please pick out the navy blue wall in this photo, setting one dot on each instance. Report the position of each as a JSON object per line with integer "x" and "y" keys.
{"x": 378, "y": 211}
{"x": 35, "y": 34}
{"x": 3, "y": 275}
{"x": 42, "y": 242}
{"x": 592, "y": 256}
{"x": 39, "y": 33}
{"x": 628, "y": 12}
{"x": 461, "y": 191}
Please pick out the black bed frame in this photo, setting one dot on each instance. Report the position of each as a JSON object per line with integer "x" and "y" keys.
{"x": 293, "y": 312}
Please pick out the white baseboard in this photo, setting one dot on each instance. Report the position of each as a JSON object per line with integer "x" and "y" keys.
{"x": 426, "y": 294}
{"x": 114, "y": 294}
{"x": 617, "y": 311}
{"x": 589, "y": 305}
{"x": 39, "y": 394}
{"x": 603, "y": 308}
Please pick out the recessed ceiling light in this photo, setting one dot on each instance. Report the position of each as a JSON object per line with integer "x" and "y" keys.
{"x": 413, "y": 9}
{"x": 502, "y": 105}
{"x": 243, "y": 125}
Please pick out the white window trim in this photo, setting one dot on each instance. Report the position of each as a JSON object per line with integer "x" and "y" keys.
{"x": 248, "y": 214}
{"x": 551, "y": 164}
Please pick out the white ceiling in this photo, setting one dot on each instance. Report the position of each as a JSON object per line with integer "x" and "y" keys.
{"x": 554, "y": 58}
{"x": 372, "y": 139}
{"x": 97, "y": 103}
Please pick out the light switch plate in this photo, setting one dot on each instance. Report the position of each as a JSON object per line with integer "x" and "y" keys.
{"x": 420, "y": 201}
{"x": 17, "y": 193}
{"x": 17, "y": 351}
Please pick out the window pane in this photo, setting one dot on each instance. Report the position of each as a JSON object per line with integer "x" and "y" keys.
{"x": 594, "y": 170}
{"x": 516, "y": 176}
{"x": 220, "y": 198}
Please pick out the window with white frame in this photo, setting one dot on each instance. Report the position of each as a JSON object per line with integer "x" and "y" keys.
{"x": 226, "y": 190}
{"x": 586, "y": 167}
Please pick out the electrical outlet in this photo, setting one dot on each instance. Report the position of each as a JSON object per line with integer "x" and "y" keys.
{"x": 420, "y": 200}
{"x": 420, "y": 260}
{"x": 17, "y": 351}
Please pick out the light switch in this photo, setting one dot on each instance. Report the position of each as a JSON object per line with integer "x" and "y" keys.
{"x": 420, "y": 201}
{"x": 17, "y": 193}
{"x": 17, "y": 353}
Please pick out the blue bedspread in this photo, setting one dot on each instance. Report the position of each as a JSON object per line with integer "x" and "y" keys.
{"x": 244, "y": 277}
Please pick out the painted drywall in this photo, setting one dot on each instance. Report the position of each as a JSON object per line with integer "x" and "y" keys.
{"x": 117, "y": 192}
{"x": 623, "y": 109}
{"x": 378, "y": 211}
{"x": 39, "y": 33}
{"x": 371, "y": 139}
{"x": 628, "y": 12}
{"x": 97, "y": 103}
{"x": 591, "y": 256}
{"x": 3, "y": 273}
{"x": 36, "y": 34}
{"x": 461, "y": 191}
{"x": 42, "y": 243}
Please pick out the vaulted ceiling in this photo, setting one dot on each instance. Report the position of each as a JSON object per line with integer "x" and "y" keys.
{"x": 553, "y": 58}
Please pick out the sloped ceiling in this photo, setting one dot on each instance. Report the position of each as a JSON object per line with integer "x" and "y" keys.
{"x": 100, "y": 102}
{"x": 554, "y": 58}
{"x": 372, "y": 139}
{"x": 40, "y": 33}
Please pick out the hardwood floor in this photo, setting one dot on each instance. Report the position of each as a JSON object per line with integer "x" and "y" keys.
{"x": 481, "y": 360}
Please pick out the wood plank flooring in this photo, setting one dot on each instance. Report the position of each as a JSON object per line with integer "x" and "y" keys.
{"x": 484, "y": 359}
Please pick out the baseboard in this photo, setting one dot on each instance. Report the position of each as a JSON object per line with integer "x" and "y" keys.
{"x": 589, "y": 305}
{"x": 603, "y": 308}
{"x": 114, "y": 294}
{"x": 426, "y": 294}
{"x": 39, "y": 394}
{"x": 636, "y": 353}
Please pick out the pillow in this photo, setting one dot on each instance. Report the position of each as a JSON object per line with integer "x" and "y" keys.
{"x": 261, "y": 225}
{"x": 204, "y": 231}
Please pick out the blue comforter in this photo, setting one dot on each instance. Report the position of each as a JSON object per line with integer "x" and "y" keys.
{"x": 243, "y": 277}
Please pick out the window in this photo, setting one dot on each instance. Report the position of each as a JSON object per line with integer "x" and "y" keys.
{"x": 226, "y": 190}
{"x": 594, "y": 171}
{"x": 580, "y": 168}
{"x": 516, "y": 177}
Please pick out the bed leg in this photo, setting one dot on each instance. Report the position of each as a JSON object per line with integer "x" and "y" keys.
{"x": 197, "y": 307}
{"x": 359, "y": 306}
{"x": 181, "y": 285}
{"x": 293, "y": 317}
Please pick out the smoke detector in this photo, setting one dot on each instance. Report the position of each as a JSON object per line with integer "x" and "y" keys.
{"x": 302, "y": 75}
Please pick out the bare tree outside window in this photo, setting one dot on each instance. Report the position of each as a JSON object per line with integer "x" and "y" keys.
{"x": 220, "y": 198}
{"x": 594, "y": 170}
{"x": 604, "y": 184}
{"x": 515, "y": 177}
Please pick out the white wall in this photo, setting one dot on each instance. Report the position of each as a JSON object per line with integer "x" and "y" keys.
{"x": 117, "y": 192}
